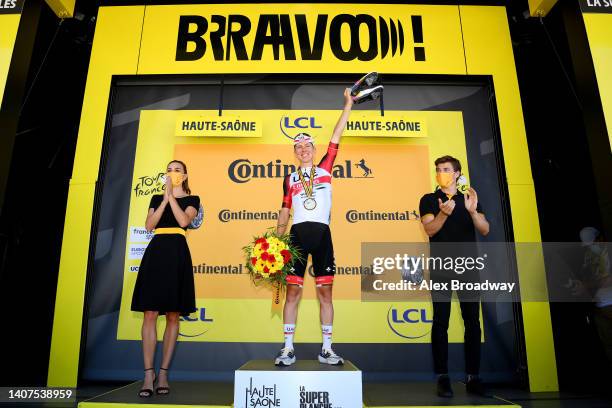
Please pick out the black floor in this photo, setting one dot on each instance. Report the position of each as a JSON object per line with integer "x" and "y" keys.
{"x": 181, "y": 393}
{"x": 421, "y": 394}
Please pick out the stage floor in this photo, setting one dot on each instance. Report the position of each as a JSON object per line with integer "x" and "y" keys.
{"x": 375, "y": 395}
{"x": 220, "y": 395}
{"x": 394, "y": 395}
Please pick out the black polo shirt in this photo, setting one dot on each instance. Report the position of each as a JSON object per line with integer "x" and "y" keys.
{"x": 459, "y": 226}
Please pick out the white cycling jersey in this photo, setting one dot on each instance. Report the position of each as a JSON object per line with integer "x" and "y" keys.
{"x": 295, "y": 197}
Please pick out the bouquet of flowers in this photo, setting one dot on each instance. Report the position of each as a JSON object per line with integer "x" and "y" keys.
{"x": 269, "y": 258}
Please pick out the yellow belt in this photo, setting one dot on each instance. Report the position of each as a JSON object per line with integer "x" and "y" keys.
{"x": 169, "y": 231}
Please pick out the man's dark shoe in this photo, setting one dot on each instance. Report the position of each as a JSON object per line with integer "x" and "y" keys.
{"x": 474, "y": 386}
{"x": 444, "y": 389}
{"x": 366, "y": 81}
{"x": 368, "y": 94}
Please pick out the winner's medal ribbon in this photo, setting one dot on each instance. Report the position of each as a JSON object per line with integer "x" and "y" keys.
{"x": 310, "y": 203}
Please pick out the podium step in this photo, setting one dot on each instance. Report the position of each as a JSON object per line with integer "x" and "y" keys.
{"x": 305, "y": 384}
{"x": 300, "y": 365}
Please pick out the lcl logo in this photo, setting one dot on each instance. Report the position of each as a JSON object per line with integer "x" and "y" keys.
{"x": 226, "y": 37}
{"x": 290, "y": 126}
{"x": 403, "y": 322}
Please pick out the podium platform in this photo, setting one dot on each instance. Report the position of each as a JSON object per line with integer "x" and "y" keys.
{"x": 305, "y": 384}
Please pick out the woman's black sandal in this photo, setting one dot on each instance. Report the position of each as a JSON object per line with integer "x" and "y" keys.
{"x": 147, "y": 392}
{"x": 162, "y": 390}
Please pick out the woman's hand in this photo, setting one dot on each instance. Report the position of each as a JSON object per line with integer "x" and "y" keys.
{"x": 168, "y": 191}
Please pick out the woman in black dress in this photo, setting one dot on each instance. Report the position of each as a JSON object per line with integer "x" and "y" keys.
{"x": 165, "y": 278}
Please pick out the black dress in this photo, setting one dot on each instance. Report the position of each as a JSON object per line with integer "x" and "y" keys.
{"x": 165, "y": 277}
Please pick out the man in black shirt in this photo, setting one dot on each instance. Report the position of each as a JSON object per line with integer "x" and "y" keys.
{"x": 451, "y": 219}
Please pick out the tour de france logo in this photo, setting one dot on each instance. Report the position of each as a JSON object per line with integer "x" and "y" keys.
{"x": 150, "y": 185}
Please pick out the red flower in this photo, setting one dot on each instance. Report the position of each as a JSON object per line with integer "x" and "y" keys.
{"x": 271, "y": 258}
{"x": 266, "y": 269}
{"x": 260, "y": 241}
{"x": 286, "y": 256}
{"x": 253, "y": 260}
{"x": 265, "y": 245}
{"x": 264, "y": 256}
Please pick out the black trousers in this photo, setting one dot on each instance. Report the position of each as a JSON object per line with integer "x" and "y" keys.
{"x": 470, "y": 312}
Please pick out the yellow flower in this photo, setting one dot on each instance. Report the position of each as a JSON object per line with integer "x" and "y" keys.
{"x": 259, "y": 266}
{"x": 273, "y": 247}
{"x": 274, "y": 267}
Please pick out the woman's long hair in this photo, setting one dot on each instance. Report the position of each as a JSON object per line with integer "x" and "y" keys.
{"x": 185, "y": 184}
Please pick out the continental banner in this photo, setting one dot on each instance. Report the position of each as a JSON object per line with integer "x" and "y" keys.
{"x": 195, "y": 39}
{"x": 377, "y": 185}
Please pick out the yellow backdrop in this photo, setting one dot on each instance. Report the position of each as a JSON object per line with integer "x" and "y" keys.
{"x": 226, "y": 181}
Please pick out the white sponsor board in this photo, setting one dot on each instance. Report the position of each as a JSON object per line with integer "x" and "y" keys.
{"x": 136, "y": 251}
{"x": 291, "y": 387}
{"x": 140, "y": 234}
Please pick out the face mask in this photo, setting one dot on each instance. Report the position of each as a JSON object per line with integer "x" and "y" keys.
{"x": 444, "y": 179}
{"x": 177, "y": 178}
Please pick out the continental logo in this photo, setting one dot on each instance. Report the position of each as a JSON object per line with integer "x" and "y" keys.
{"x": 354, "y": 216}
{"x": 227, "y": 215}
{"x": 243, "y": 170}
{"x": 346, "y": 270}
{"x": 225, "y": 37}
